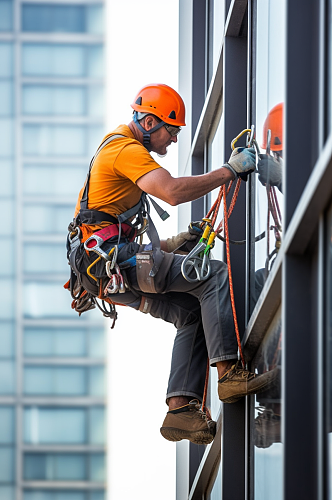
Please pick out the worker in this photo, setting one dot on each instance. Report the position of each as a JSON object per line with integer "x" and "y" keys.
{"x": 270, "y": 167}
{"x": 122, "y": 173}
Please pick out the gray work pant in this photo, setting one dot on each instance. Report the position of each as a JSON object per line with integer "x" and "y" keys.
{"x": 202, "y": 314}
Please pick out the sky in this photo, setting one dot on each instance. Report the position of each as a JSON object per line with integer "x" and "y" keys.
{"x": 142, "y": 48}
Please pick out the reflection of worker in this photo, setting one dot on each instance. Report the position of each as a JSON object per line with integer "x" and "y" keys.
{"x": 201, "y": 311}
{"x": 270, "y": 167}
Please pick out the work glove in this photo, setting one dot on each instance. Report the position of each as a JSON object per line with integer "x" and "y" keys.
{"x": 186, "y": 240}
{"x": 242, "y": 162}
{"x": 270, "y": 170}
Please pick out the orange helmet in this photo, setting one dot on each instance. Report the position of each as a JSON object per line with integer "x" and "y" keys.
{"x": 162, "y": 101}
{"x": 274, "y": 123}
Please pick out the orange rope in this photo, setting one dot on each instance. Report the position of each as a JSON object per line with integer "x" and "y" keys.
{"x": 231, "y": 291}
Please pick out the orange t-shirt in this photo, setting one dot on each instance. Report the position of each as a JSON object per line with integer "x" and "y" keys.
{"x": 118, "y": 166}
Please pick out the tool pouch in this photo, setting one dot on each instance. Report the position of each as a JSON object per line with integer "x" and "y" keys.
{"x": 144, "y": 265}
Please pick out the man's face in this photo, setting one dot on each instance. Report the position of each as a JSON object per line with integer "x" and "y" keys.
{"x": 160, "y": 139}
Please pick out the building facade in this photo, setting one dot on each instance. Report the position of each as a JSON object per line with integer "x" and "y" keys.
{"x": 52, "y": 394}
{"x": 267, "y": 64}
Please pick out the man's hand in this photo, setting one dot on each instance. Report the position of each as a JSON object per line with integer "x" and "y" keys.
{"x": 242, "y": 162}
{"x": 270, "y": 170}
{"x": 186, "y": 240}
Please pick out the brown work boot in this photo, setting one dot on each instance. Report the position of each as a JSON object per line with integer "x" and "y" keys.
{"x": 267, "y": 428}
{"x": 188, "y": 422}
{"x": 238, "y": 382}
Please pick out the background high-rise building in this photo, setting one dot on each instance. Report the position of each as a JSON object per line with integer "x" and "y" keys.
{"x": 52, "y": 363}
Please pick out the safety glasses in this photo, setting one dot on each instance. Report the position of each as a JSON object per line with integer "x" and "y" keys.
{"x": 174, "y": 131}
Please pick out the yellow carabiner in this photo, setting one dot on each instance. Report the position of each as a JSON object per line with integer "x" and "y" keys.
{"x": 246, "y": 130}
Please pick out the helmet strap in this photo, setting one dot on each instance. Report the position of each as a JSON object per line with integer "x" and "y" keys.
{"x": 146, "y": 133}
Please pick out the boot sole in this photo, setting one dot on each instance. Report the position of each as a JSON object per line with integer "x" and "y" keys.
{"x": 254, "y": 390}
{"x": 196, "y": 437}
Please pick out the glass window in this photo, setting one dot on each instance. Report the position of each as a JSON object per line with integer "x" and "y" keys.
{"x": 7, "y": 137}
{"x": 7, "y": 492}
{"x": 6, "y": 96}
{"x": 7, "y": 473}
{"x": 54, "y": 342}
{"x": 97, "y": 381}
{"x": 46, "y": 300}
{"x": 7, "y": 340}
{"x": 7, "y": 178}
{"x": 8, "y": 256}
{"x": 266, "y": 425}
{"x": 64, "y": 467}
{"x": 7, "y": 425}
{"x": 270, "y": 94}
{"x": 58, "y": 380}
{"x": 97, "y": 425}
{"x": 215, "y": 493}
{"x": 7, "y": 207}
{"x": 55, "y": 425}
{"x": 7, "y": 377}
{"x": 7, "y": 59}
{"x": 47, "y": 219}
{"x": 6, "y": 15}
{"x": 64, "y": 425}
{"x": 96, "y": 100}
{"x": 63, "y": 495}
{"x": 49, "y": 179}
{"x": 97, "y": 345}
{"x": 62, "y": 60}
{"x": 55, "y": 140}
{"x": 51, "y": 100}
{"x": 45, "y": 258}
{"x": 216, "y": 13}
{"x": 62, "y": 18}
{"x": 7, "y": 299}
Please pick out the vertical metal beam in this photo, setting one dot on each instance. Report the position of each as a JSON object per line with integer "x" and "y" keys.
{"x": 235, "y": 120}
{"x": 302, "y": 101}
{"x": 198, "y": 61}
{"x": 300, "y": 376}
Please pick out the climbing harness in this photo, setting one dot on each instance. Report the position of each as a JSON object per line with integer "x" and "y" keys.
{"x": 102, "y": 278}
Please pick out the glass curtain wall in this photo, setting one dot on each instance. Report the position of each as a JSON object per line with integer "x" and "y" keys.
{"x": 52, "y": 443}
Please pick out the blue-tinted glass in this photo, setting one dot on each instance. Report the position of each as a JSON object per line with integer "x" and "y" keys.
{"x": 53, "y": 18}
{"x": 44, "y": 258}
{"x": 7, "y": 377}
{"x": 7, "y": 207}
{"x": 53, "y": 60}
{"x": 55, "y": 466}
{"x": 6, "y": 464}
{"x": 7, "y": 340}
{"x": 8, "y": 256}
{"x": 55, "y": 380}
{"x": 70, "y": 467}
{"x": 54, "y": 495}
{"x": 47, "y": 219}
{"x": 7, "y": 299}
{"x": 49, "y": 179}
{"x": 6, "y": 15}
{"x": 266, "y": 426}
{"x": 97, "y": 381}
{"x": 7, "y": 492}
{"x": 55, "y": 425}
{"x": 7, "y": 177}
{"x": 95, "y": 67}
{"x": 6, "y": 97}
{"x": 7, "y": 425}
{"x": 96, "y": 101}
{"x": 53, "y": 100}
{"x": 37, "y": 302}
{"x": 55, "y": 140}
{"x": 53, "y": 342}
{"x": 97, "y": 467}
{"x": 215, "y": 493}
{"x": 95, "y": 19}
{"x": 7, "y": 137}
{"x": 97, "y": 495}
{"x": 7, "y": 59}
{"x": 97, "y": 343}
{"x": 97, "y": 425}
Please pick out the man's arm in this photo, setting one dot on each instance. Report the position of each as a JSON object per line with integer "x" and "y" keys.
{"x": 174, "y": 191}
